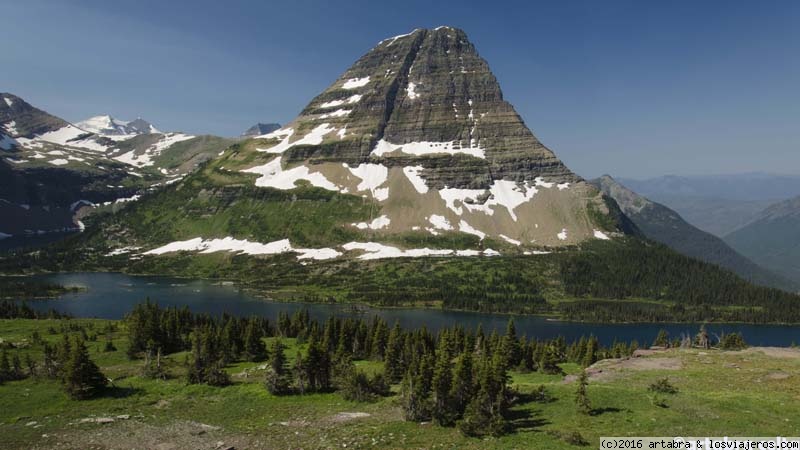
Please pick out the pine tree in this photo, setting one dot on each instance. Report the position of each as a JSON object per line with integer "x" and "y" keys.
{"x": 81, "y": 377}
{"x": 318, "y": 366}
{"x": 463, "y": 387}
{"x": 511, "y": 346}
{"x": 31, "y": 365}
{"x": 662, "y": 339}
{"x": 5, "y": 368}
{"x": 277, "y": 378}
{"x": 16, "y": 367}
{"x": 393, "y": 356}
{"x": 254, "y": 348}
{"x": 49, "y": 364}
{"x": 63, "y": 353}
{"x": 581, "y": 396}
{"x": 414, "y": 398}
{"x": 590, "y": 355}
{"x": 444, "y": 411}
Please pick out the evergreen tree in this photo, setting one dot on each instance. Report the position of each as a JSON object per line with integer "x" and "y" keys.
{"x": 81, "y": 377}
{"x": 662, "y": 339}
{"x": 5, "y": 368}
{"x": 300, "y": 373}
{"x": 254, "y": 348}
{"x": 393, "y": 356}
{"x": 414, "y": 398}
{"x": 548, "y": 364}
{"x": 581, "y": 396}
{"x": 277, "y": 378}
{"x": 511, "y": 346}
{"x": 463, "y": 387}
{"x": 31, "y": 365}
{"x": 444, "y": 410}
{"x": 318, "y": 366}
{"x": 590, "y": 355}
{"x": 49, "y": 363}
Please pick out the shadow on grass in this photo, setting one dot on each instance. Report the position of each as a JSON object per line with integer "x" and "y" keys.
{"x": 599, "y": 411}
{"x": 523, "y": 420}
{"x": 120, "y": 391}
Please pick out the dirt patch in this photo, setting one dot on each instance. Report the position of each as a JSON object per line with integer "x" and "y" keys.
{"x": 348, "y": 416}
{"x": 777, "y": 352}
{"x": 609, "y": 369}
{"x": 777, "y": 376}
{"x": 133, "y": 434}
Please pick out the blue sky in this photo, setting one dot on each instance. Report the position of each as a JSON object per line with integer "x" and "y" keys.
{"x": 630, "y": 88}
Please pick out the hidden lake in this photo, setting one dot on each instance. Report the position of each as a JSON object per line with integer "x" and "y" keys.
{"x": 112, "y": 295}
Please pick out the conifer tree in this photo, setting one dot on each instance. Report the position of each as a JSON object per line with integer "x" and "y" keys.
{"x": 581, "y": 396}
{"x": 393, "y": 356}
{"x": 590, "y": 355}
{"x": 277, "y": 378}
{"x": 81, "y": 377}
{"x": 463, "y": 387}
{"x": 444, "y": 411}
{"x": 5, "y": 368}
{"x": 254, "y": 348}
{"x": 511, "y": 346}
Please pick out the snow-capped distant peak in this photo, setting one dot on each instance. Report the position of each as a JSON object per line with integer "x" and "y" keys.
{"x": 108, "y": 126}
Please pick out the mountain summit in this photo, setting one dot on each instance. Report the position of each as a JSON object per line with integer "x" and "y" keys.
{"x": 419, "y": 125}
{"x": 411, "y": 152}
{"x": 109, "y": 126}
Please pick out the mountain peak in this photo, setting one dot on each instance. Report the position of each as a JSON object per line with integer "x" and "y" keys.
{"x": 261, "y": 129}
{"x": 106, "y": 125}
{"x": 422, "y": 121}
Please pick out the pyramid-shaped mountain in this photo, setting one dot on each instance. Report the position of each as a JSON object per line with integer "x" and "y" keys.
{"x": 419, "y": 125}
{"x": 411, "y": 152}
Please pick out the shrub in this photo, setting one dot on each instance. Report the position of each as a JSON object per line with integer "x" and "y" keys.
{"x": 662, "y": 386}
{"x": 732, "y": 341}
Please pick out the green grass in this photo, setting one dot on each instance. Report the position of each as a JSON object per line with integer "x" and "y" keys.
{"x": 720, "y": 393}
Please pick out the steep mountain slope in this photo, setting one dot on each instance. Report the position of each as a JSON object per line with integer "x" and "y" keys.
{"x": 261, "y": 128}
{"x": 773, "y": 238}
{"x": 718, "y": 204}
{"x": 661, "y": 224}
{"x": 413, "y": 144}
{"x": 51, "y": 169}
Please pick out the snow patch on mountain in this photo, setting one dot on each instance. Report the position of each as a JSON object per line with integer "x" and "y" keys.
{"x": 372, "y": 177}
{"x": 412, "y": 173}
{"x": 384, "y": 147}
{"x": 273, "y": 175}
{"x": 464, "y": 227}
{"x": 377, "y": 224}
{"x": 314, "y": 137}
{"x": 440, "y": 222}
{"x": 354, "y": 83}
{"x": 600, "y": 235}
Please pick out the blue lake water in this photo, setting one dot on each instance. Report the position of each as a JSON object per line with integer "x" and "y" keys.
{"x": 111, "y": 295}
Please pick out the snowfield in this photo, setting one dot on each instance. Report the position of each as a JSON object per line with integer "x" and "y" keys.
{"x": 354, "y": 83}
{"x": 312, "y": 138}
{"x": 368, "y": 250}
{"x": 384, "y": 147}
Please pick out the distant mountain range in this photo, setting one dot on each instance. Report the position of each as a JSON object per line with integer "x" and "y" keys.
{"x": 661, "y": 224}
{"x": 772, "y": 239}
{"x": 718, "y": 204}
{"x": 51, "y": 168}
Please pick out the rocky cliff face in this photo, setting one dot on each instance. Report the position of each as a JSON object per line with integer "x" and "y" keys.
{"x": 419, "y": 124}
